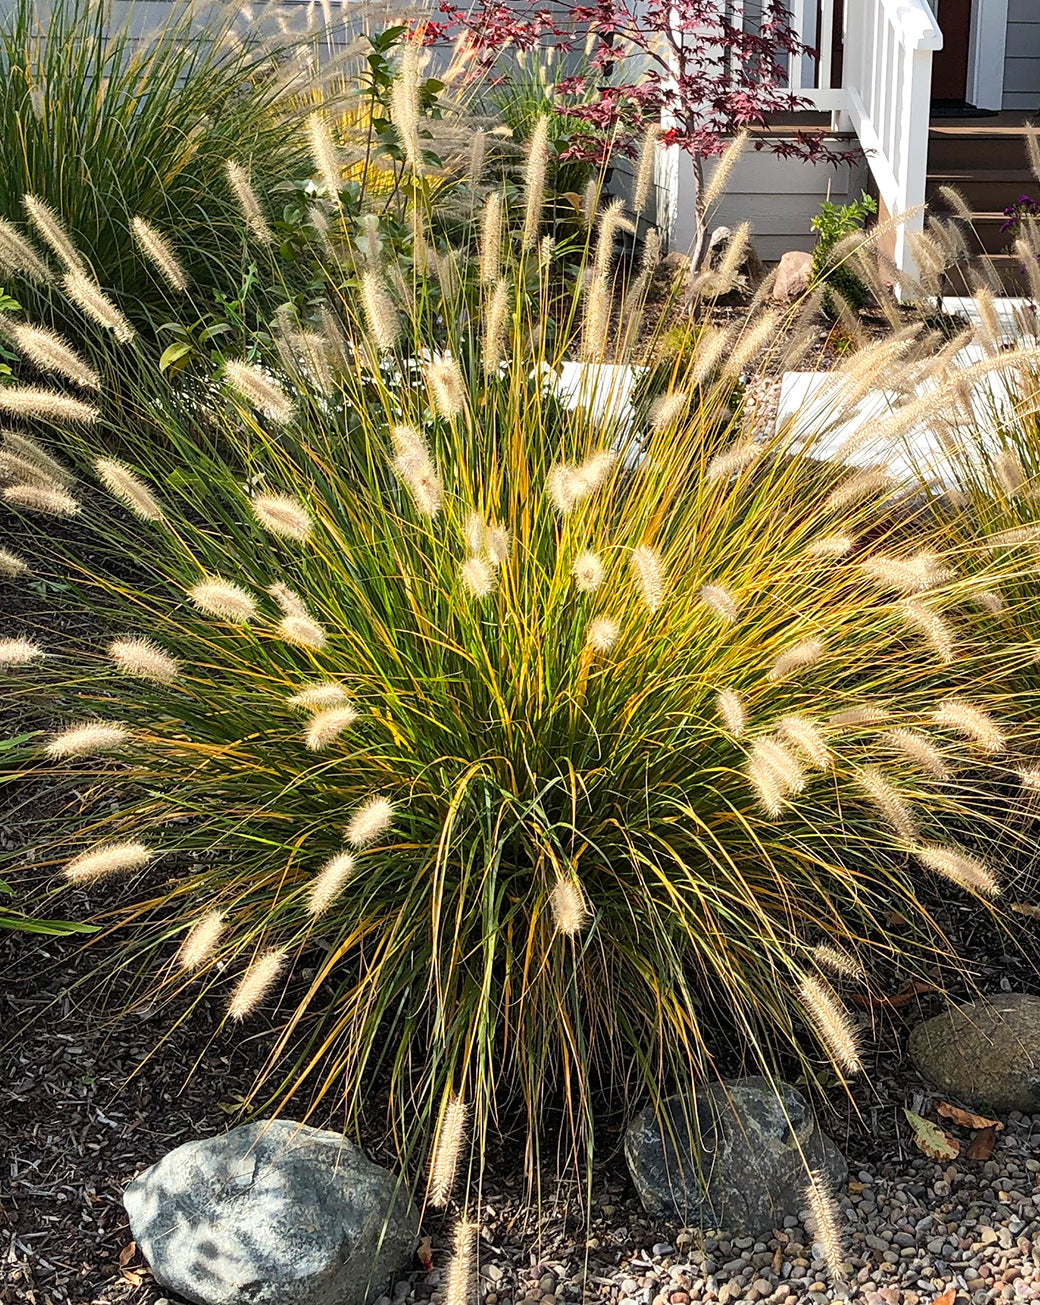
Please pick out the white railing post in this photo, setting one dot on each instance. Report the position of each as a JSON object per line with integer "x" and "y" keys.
{"x": 887, "y": 79}
{"x": 913, "y": 174}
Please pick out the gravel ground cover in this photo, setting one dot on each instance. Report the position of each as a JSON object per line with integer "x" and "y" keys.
{"x": 87, "y": 1102}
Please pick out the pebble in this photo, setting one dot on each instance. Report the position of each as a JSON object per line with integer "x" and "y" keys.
{"x": 910, "y": 1230}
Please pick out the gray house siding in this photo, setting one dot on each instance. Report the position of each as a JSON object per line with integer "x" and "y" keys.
{"x": 1022, "y": 58}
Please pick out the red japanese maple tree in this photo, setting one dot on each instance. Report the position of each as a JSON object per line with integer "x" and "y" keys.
{"x": 694, "y": 66}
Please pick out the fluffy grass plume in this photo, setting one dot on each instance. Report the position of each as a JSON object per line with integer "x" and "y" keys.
{"x": 381, "y": 317}
{"x": 588, "y": 571}
{"x": 731, "y": 711}
{"x": 91, "y": 300}
{"x": 831, "y": 1022}
{"x": 534, "y": 181}
{"x": 19, "y": 652}
{"x": 648, "y": 573}
{"x": 490, "y": 249}
{"x": 799, "y": 658}
{"x": 249, "y": 204}
{"x": 447, "y": 1152}
{"x": 458, "y": 1285}
{"x": 49, "y": 226}
{"x": 404, "y": 103}
{"x": 316, "y": 696}
{"x": 370, "y": 822}
{"x": 144, "y": 660}
{"x": 721, "y": 601}
{"x": 299, "y": 629}
{"x": 971, "y": 722}
{"x": 107, "y": 860}
{"x": 17, "y": 255}
{"x": 839, "y": 962}
{"x": 12, "y": 566}
{"x": 569, "y": 907}
{"x": 918, "y": 750}
{"x": 478, "y": 577}
{"x": 967, "y": 871}
{"x": 157, "y": 249}
{"x": 122, "y": 482}
{"x": 330, "y": 881}
{"x": 41, "y": 498}
{"x": 602, "y": 634}
{"x": 87, "y": 740}
{"x": 823, "y": 1212}
{"x": 201, "y": 941}
{"x": 26, "y": 448}
{"x": 806, "y": 737}
{"x": 49, "y": 406}
{"x": 893, "y": 808}
{"x": 283, "y": 516}
{"x": 50, "y": 353}
{"x": 328, "y": 723}
{"x": 259, "y": 390}
{"x": 256, "y": 983}
{"x": 447, "y": 384}
{"x": 223, "y": 599}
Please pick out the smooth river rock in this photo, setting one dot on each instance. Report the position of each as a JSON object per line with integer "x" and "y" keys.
{"x": 740, "y": 1165}
{"x": 272, "y": 1213}
{"x": 986, "y": 1053}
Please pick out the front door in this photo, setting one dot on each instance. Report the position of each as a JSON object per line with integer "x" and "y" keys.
{"x": 950, "y": 64}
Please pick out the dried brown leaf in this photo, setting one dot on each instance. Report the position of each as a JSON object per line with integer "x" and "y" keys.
{"x": 965, "y": 1118}
{"x": 983, "y": 1142}
{"x": 901, "y": 998}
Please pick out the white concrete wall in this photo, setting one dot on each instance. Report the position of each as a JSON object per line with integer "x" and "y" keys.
{"x": 779, "y": 197}
{"x": 1022, "y": 56}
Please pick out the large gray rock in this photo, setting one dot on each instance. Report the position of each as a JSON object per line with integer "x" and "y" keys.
{"x": 272, "y": 1213}
{"x": 987, "y": 1053}
{"x": 737, "y": 1161}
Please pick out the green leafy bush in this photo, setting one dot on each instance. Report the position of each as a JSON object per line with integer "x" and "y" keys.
{"x": 833, "y": 224}
{"x": 571, "y": 747}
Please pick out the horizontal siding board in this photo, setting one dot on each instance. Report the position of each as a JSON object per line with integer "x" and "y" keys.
{"x": 1022, "y": 59}
{"x": 1022, "y": 76}
{"x": 1023, "y": 40}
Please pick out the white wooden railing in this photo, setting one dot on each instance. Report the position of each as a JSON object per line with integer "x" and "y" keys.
{"x": 882, "y": 94}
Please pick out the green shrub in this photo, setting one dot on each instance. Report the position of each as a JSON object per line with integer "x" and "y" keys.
{"x": 832, "y": 225}
{"x": 104, "y": 123}
{"x": 571, "y": 749}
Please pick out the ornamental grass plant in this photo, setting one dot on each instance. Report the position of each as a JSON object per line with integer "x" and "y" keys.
{"x": 107, "y": 122}
{"x": 584, "y": 742}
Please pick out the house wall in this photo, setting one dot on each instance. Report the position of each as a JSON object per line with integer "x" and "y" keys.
{"x": 1022, "y": 56}
{"x": 779, "y": 197}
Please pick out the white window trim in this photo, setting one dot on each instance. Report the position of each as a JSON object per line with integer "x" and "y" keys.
{"x": 986, "y": 49}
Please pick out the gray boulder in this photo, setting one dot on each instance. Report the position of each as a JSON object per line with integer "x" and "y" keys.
{"x": 272, "y": 1213}
{"x": 987, "y": 1052}
{"x": 750, "y": 273}
{"x": 738, "y": 1160}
